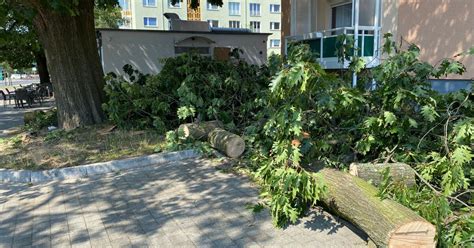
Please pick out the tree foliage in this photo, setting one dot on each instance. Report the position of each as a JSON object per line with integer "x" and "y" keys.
{"x": 189, "y": 87}
{"x": 108, "y": 17}
{"x": 308, "y": 118}
{"x": 314, "y": 118}
{"x": 18, "y": 42}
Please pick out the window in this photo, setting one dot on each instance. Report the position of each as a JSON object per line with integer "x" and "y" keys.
{"x": 254, "y": 9}
{"x": 275, "y": 43}
{"x": 124, "y": 4}
{"x": 342, "y": 16}
{"x": 255, "y": 27}
{"x": 149, "y": 3}
{"x": 176, "y": 5}
{"x": 149, "y": 21}
{"x": 234, "y": 24}
{"x": 213, "y": 23}
{"x": 274, "y": 26}
{"x": 212, "y": 7}
{"x": 274, "y": 8}
{"x": 234, "y": 8}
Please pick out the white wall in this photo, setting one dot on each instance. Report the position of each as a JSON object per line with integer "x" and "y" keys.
{"x": 143, "y": 49}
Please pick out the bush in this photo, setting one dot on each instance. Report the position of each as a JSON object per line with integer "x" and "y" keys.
{"x": 42, "y": 119}
{"x": 189, "y": 87}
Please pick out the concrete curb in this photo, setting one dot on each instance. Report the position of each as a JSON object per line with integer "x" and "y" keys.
{"x": 81, "y": 171}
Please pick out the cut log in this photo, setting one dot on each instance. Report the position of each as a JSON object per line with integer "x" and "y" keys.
{"x": 199, "y": 131}
{"x": 400, "y": 172}
{"x": 386, "y": 222}
{"x": 230, "y": 144}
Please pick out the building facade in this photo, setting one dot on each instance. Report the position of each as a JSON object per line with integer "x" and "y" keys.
{"x": 261, "y": 16}
{"x": 441, "y": 28}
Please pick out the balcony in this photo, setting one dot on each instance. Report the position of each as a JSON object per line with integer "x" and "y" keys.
{"x": 126, "y": 13}
{"x": 324, "y": 44}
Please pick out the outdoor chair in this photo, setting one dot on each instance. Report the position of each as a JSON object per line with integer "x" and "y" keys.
{"x": 49, "y": 89}
{"x": 41, "y": 92}
{"x": 11, "y": 95}
{"x": 5, "y": 97}
{"x": 22, "y": 95}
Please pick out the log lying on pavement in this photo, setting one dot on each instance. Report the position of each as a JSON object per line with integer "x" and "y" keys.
{"x": 387, "y": 223}
{"x": 400, "y": 172}
{"x": 199, "y": 130}
{"x": 230, "y": 144}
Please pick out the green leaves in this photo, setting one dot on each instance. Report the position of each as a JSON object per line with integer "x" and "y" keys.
{"x": 429, "y": 113}
{"x": 402, "y": 119}
{"x": 390, "y": 118}
{"x": 188, "y": 87}
{"x": 291, "y": 191}
{"x": 185, "y": 112}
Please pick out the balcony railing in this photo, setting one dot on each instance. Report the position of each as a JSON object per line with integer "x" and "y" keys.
{"x": 324, "y": 43}
{"x": 126, "y": 13}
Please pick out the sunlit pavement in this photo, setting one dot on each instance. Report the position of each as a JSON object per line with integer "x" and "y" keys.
{"x": 179, "y": 204}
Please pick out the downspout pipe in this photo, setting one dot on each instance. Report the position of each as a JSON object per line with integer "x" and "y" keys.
{"x": 356, "y": 37}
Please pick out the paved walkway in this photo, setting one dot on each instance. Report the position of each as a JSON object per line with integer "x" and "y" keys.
{"x": 179, "y": 204}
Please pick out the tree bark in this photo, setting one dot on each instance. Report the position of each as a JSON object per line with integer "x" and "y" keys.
{"x": 400, "y": 172}
{"x": 199, "y": 130}
{"x": 230, "y": 144}
{"x": 72, "y": 57}
{"x": 42, "y": 67}
{"x": 387, "y": 223}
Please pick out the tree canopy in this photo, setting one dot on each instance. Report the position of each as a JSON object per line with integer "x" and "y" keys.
{"x": 108, "y": 17}
{"x": 18, "y": 42}
{"x": 66, "y": 31}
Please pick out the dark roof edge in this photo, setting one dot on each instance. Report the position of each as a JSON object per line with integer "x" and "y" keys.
{"x": 181, "y": 32}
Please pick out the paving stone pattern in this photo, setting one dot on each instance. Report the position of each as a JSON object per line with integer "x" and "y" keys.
{"x": 179, "y": 204}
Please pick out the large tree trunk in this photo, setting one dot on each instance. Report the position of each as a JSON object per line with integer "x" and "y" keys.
{"x": 387, "y": 223}
{"x": 73, "y": 61}
{"x": 42, "y": 67}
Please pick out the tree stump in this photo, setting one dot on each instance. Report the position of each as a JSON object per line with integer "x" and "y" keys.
{"x": 230, "y": 144}
{"x": 386, "y": 222}
{"x": 400, "y": 172}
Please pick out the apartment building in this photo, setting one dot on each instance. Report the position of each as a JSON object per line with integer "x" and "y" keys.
{"x": 262, "y": 16}
{"x": 441, "y": 28}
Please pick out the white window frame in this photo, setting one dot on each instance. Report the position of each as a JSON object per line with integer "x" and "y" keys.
{"x": 254, "y": 12}
{"x": 253, "y": 26}
{"x": 272, "y": 8}
{"x": 238, "y": 10}
{"x": 272, "y": 26}
{"x": 148, "y": 25}
{"x": 210, "y": 22}
{"x": 272, "y": 43}
{"x": 234, "y": 22}
{"x": 176, "y": 6}
{"x": 212, "y": 7}
{"x": 146, "y": 3}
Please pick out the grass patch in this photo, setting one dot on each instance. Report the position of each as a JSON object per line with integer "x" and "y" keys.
{"x": 59, "y": 149}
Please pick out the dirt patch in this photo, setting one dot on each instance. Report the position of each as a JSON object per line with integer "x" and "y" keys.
{"x": 59, "y": 149}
